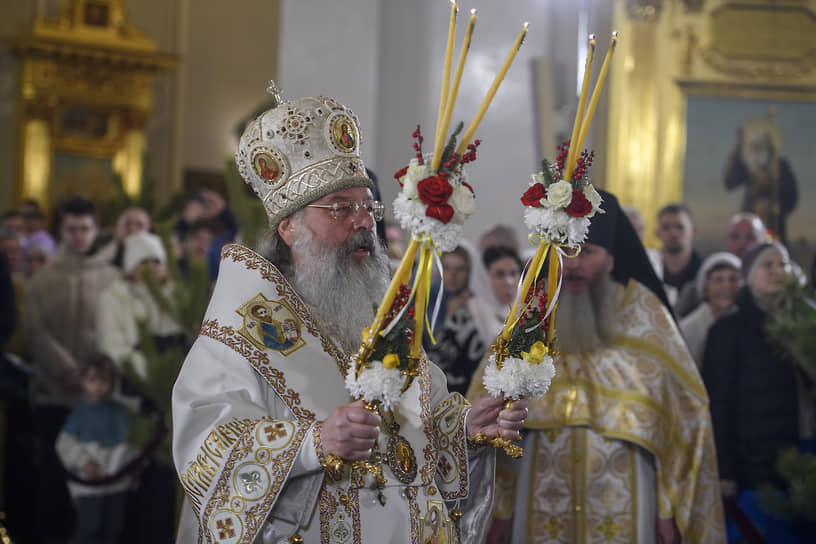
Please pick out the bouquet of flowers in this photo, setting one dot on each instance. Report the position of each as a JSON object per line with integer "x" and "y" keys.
{"x": 435, "y": 204}
{"x": 558, "y": 205}
{"x": 558, "y": 210}
{"x": 434, "y": 201}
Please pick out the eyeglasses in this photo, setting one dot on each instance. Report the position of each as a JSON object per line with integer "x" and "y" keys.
{"x": 341, "y": 211}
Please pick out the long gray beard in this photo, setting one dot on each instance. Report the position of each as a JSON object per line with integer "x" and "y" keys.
{"x": 586, "y": 321}
{"x": 344, "y": 295}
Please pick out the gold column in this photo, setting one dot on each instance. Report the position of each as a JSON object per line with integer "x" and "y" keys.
{"x": 127, "y": 161}
{"x": 646, "y": 135}
{"x": 36, "y": 171}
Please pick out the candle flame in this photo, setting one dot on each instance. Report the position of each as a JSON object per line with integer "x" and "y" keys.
{"x": 526, "y": 24}
{"x": 592, "y": 37}
{"x": 473, "y": 11}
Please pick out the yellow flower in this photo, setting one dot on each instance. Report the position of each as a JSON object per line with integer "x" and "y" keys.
{"x": 391, "y": 361}
{"x": 537, "y": 353}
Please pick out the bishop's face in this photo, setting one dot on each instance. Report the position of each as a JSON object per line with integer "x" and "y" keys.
{"x": 329, "y": 231}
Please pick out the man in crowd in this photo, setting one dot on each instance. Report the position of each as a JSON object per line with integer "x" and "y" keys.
{"x": 620, "y": 449}
{"x": 679, "y": 262}
{"x": 260, "y": 410}
{"x": 745, "y": 230}
{"x": 60, "y": 329}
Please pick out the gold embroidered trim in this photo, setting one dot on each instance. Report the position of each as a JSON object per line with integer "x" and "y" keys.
{"x": 431, "y": 450}
{"x": 259, "y": 360}
{"x": 254, "y": 517}
{"x": 252, "y": 261}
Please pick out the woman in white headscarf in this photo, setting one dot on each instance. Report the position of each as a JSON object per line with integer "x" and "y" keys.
{"x": 718, "y": 282}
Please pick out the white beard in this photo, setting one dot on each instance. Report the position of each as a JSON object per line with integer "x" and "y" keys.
{"x": 586, "y": 321}
{"x": 343, "y": 294}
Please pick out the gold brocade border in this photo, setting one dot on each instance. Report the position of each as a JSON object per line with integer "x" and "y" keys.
{"x": 413, "y": 509}
{"x": 252, "y": 261}
{"x": 353, "y": 507}
{"x": 579, "y": 445}
{"x": 530, "y": 489}
{"x": 431, "y": 450}
{"x": 278, "y": 470}
{"x": 457, "y": 442}
{"x": 633, "y": 483}
{"x": 328, "y": 506}
{"x": 259, "y": 360}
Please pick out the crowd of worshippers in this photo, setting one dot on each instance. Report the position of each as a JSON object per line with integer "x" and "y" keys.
{"x": 74, "y": 296}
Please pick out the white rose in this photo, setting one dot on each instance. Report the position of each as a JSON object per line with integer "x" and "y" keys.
{"x": 559, "y": 194}
{"x": 416, "y": 171}
{"x": 593, "y": 196}
{"x": 462, "y": 201}
{"x": 409, "y": 186}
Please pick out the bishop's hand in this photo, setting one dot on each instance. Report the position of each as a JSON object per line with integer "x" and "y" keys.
{"x": 497, "y": 418}
{"x": 350, "y": 431}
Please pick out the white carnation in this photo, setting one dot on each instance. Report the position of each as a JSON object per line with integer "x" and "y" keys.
{"x": 518, "y": 378}
{"x": 376, "y": 383}
{"x": 577, "y": 229}
{"x": 559, "y": 194}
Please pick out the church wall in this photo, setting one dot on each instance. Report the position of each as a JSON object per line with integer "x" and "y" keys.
{"x": 381, "y": 58}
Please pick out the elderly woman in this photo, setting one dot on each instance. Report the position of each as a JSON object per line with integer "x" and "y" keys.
{"x": 718, "y": 281}
{"x": 754, "y": 393}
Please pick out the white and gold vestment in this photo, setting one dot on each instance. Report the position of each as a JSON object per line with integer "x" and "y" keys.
{"x": 623, "y": 436}
{"x": 246, "y": 405}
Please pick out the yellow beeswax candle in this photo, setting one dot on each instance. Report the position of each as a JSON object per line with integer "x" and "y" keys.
{"x": 491, "y": 92}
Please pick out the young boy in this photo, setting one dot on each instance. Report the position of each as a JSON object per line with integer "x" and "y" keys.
{"x": 92, "y": 447}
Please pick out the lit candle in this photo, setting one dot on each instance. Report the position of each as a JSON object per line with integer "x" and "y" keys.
{"x": 443, "y": 98}
{"x": 457, "y": 78}
{"x": 596, "y": 92}
{"x": 572, "y": 155}
{"x": 492, "y": 91}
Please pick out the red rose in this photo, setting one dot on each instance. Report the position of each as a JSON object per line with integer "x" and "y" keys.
{"x": 443, "y": 212}
{"x": 434, "y": 191}
{"x": 400, "y": 173}
{"x": 579, "y": 206}
{"x": 533, "y": 195}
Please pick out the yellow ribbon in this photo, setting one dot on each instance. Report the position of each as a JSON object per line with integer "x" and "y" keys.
{"x": 539, "y": 264}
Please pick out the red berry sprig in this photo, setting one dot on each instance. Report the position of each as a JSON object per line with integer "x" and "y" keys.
{"x": 403, "y": 294}
{"x": 561, "y": 160}
{"x": 470, "y": 154}
{"x": 582, "y": 164}
{"x": 417, "y": 134}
